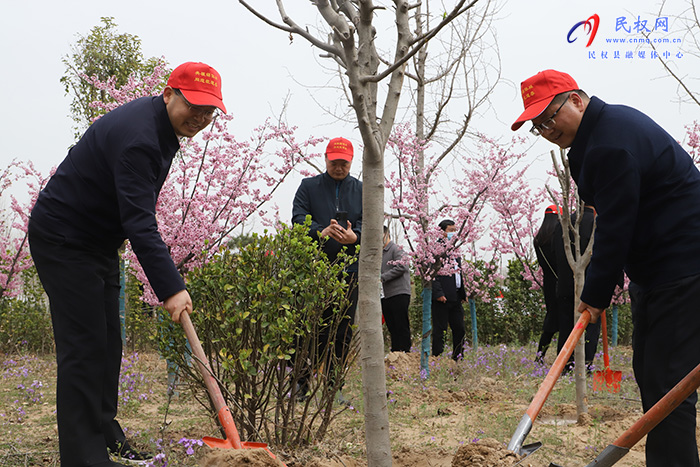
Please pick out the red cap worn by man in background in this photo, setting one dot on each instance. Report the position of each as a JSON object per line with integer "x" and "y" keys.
{"x": 339, "y": 148}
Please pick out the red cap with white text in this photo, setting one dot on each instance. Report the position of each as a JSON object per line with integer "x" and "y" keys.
{"x": 199, "y": 83}
{"x": 538, "y": 92}
{"x": 339, "y": 148}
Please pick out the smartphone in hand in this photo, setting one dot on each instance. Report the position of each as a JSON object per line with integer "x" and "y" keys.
{"x": 342, "y": 218}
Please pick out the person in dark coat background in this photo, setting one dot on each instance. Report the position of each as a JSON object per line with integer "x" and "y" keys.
{"x": 448, "y": 296}
{"x": 104, "y": 192}
{"x": 333, "y": 199}
{"x": 565, "y": 289}
{"x": 544, "y": 249}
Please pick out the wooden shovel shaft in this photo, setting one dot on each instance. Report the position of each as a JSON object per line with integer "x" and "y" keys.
{"x": 547, "y": 385}
{"x": 210, "y": 382}
{"x": 660, "y": 410}
{"x": 621, "y": 446}
{"x": 558, "y": 366}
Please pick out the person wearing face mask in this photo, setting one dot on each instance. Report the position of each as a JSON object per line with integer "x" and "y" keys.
{"x": 447, "y": 309}
{"x": 333, "y": 199}
{"x": 105, "y": 192}
{"x": 396, "y": 286}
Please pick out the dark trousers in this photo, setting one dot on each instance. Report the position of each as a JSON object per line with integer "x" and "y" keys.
{"x": 333, "y": 343}
{"x": 452, "y": 314}
{"x": 545, "y": 340}
{"x": 565, "y": 305}
{"x": 395, "y": 311}
{"x": 666, "y": 343}
{"x": 83, "y": 290}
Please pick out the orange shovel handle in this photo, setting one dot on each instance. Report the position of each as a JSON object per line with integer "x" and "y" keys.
{"x": 212, "y": 386}
{"x": 660, "y": 410}
{"x": 604, "y": 330}
{"x": 558, "y": 365}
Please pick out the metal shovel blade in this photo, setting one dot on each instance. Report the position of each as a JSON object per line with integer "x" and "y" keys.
{"x": 607, "y": 378}
{"x": 526, "y": 450}
{"x": 530, "y": 448}
{"x": 227, "y": 444}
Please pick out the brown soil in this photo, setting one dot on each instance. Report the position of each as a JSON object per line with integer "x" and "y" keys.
{"x": 484, "y": 453}
{"x": 239, "y": 457}
{"x": 458, "y": 417}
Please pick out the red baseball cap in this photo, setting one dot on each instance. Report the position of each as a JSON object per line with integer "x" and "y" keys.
{"x": 552, "y": 209}
{"x": 199, "y": 83}
{"x": 538, "y": 92}
{"x": 339, "y": 148}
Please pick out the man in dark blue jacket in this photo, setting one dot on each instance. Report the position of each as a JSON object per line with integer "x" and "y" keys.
{"x": 104, "y": 192}
{"x": 333, "y": 195}
{"x": 448, "y": 296}
{"x": 646, "y": 191}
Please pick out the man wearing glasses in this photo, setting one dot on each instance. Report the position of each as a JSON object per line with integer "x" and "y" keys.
{"x": 103, "y": 193}
{"x": 646, "y": 191}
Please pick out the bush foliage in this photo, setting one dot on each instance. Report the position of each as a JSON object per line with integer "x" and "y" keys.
{"x": 25, "y": 320}
{"x": 258, "y": 315}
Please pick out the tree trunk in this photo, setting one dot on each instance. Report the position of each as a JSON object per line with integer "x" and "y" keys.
{"x": 370, "y": 313}
{"x": 579, "y": 352}
{"x": 427, "y": 330}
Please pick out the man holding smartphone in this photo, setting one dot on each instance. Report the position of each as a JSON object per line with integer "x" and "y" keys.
{"x": 333, "y": 199}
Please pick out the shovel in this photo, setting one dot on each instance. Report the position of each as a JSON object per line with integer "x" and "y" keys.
{"x": 621, "y": 446}
{"x": 606, "y": 378}
{"x": 525, "y": 425}
{"x": 233, "y": 440}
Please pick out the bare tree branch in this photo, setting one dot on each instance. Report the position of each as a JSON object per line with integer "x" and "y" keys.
{"x": 292, "y": 27}
{"x": 458, "y": 10}
{"x": 670, "y": 72}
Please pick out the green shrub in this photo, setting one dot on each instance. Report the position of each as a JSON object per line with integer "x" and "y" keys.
{"x": 25, "y": 321}
{"x": 258, "y": 315}
{"x": 523, "y": 309}
{"x": 140, "y": 320}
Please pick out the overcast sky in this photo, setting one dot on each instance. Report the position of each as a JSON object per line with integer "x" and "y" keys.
{"x": 259, "y": 66}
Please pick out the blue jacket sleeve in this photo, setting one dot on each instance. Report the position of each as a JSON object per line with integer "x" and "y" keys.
{"x": 615, "y": 176}
{"x": 135, "y": 178}
{"x": 301, "y": 207}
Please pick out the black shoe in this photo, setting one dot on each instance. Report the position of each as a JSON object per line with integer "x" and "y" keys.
{"x": 568, "y": 368}
{"x": 302, "y": 392}
{"x": 131, "y": 456}
{"x": 340, "y": 399}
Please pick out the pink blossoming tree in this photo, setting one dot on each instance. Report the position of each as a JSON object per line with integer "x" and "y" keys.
{"x": 488, "y": 198}
{"x": 14, "y": 245}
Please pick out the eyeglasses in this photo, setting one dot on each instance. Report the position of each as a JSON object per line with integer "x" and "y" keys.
{"x": 206, "y": 112}
{"x": 548, "y": 124}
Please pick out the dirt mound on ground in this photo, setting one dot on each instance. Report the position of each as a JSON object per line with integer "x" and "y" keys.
{"x": 239, "y": 457}
{"x": 401, "y": 364}
{"x": 486, "y": 452}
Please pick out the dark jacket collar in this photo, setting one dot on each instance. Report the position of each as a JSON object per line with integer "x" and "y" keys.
{"x": 165, "y": 128}
{"x": 328, "y": 178}
{"x": 588, "y": 122}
